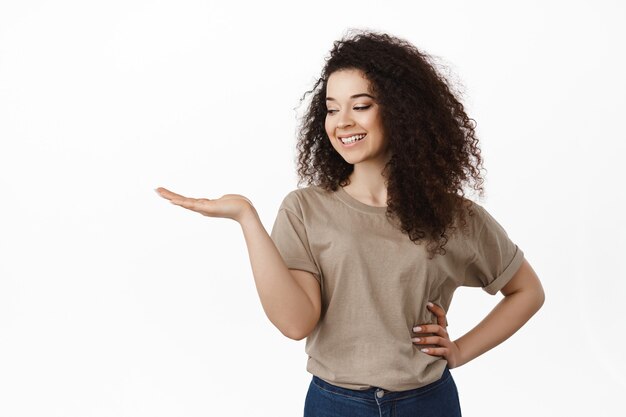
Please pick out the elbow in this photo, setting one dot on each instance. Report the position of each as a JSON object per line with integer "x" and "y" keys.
{"x": 296, "y": 334}
{"x": 302, "y": 331}
{"x": 301, "y": 326}
{"x": 541, "y": 297}
{"x": 536, "y": 296}
{"x": 298, "y": 337}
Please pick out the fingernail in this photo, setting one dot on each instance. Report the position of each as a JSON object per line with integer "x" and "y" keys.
{"x": 417, "y": 329}
{"x": 424, "y": 350}
{"x": 429, "y": 304}
{"x": 416, "y": 339}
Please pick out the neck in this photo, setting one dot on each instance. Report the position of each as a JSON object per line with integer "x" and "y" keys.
{"x": 367, "y": 183}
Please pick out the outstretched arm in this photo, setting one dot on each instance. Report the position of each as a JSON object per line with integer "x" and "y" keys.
{"x": 290, "y": 298}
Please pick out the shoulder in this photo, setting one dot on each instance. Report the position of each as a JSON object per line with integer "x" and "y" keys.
{"x": 484, "y": 225}
{"x": 301, "y": 198}
{"x": 476, "y": 209}
{"x": 473, "y": 216}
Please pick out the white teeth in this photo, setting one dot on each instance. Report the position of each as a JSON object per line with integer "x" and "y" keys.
{"x": 352, "y": 139}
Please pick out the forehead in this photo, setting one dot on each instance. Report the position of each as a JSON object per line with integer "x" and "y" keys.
{"x": 347, "y": 82}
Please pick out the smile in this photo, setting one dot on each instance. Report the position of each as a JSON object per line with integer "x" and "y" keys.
{"x": 352, "y": 139}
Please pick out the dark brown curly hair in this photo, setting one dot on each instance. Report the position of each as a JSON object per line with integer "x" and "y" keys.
{"x": 432, "y": 140}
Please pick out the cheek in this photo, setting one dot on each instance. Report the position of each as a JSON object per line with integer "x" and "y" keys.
{"x": 376, "y": 123}
{"x": 368, "y": 122}
{"x": 328, "y": 128}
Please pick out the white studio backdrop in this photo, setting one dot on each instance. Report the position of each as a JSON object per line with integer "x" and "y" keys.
{"x": 114, "y": 302}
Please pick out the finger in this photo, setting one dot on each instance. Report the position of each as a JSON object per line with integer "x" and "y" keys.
{"x": 435, "y": 351}
{"x": 432, "y": 328}
{"x": 439, "y": 312}
{"x": 199, "y": 205}
{"x": 165, "y": 193}
{"x": 432, "y": 340}
{"x": 188, "y": 203}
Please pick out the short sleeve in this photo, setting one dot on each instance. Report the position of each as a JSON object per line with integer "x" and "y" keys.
{"x": 495, "y": 257}
{"x": 291, "y": 240}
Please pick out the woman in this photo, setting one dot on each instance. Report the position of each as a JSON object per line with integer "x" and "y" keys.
{"x": 363, "y": 262}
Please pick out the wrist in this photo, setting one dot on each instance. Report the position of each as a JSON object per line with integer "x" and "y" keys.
{"x": 247, "y": 216}
{"x": 462, "y": 356}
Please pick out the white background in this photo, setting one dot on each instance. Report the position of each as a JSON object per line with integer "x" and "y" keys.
{"x": 114, "y": 302}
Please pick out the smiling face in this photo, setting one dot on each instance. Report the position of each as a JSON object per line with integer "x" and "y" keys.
{"x": 352, "y": 110}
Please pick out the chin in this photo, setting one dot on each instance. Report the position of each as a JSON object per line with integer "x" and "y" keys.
{"x": 352, "y": 161}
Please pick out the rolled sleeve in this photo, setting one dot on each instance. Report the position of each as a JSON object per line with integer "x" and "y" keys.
{"x": 495, "y": 257}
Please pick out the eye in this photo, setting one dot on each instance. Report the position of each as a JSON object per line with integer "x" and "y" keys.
{"x": 356, "y": 108}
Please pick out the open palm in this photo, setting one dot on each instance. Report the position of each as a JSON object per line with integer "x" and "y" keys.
{"x": 231, "y": 206}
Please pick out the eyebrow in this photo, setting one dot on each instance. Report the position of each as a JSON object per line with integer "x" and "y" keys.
{"x": 354, "y": 96}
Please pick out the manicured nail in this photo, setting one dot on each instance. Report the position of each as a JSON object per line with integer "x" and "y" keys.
{"x": 424, "y": 350}
{"x": 416, "y": 339}
{"x": 417, "y": 329}
{"x": 429, "y": 304}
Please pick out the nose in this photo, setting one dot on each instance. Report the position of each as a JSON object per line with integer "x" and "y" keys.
{"x": 344, "y": 120}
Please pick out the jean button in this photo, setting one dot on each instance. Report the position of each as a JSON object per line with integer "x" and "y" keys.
{"x": 380, "y": 393}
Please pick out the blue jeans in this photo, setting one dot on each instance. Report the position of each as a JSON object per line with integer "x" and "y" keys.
{"x": 437, "y": 399}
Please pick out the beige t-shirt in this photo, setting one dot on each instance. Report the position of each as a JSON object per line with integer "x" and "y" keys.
{"x": 375, "y": 283}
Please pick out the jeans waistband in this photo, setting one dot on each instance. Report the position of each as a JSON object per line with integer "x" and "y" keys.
{"x": 382, "y": 394}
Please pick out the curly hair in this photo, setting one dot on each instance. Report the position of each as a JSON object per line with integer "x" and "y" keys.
{"x": 434, "y": 149}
